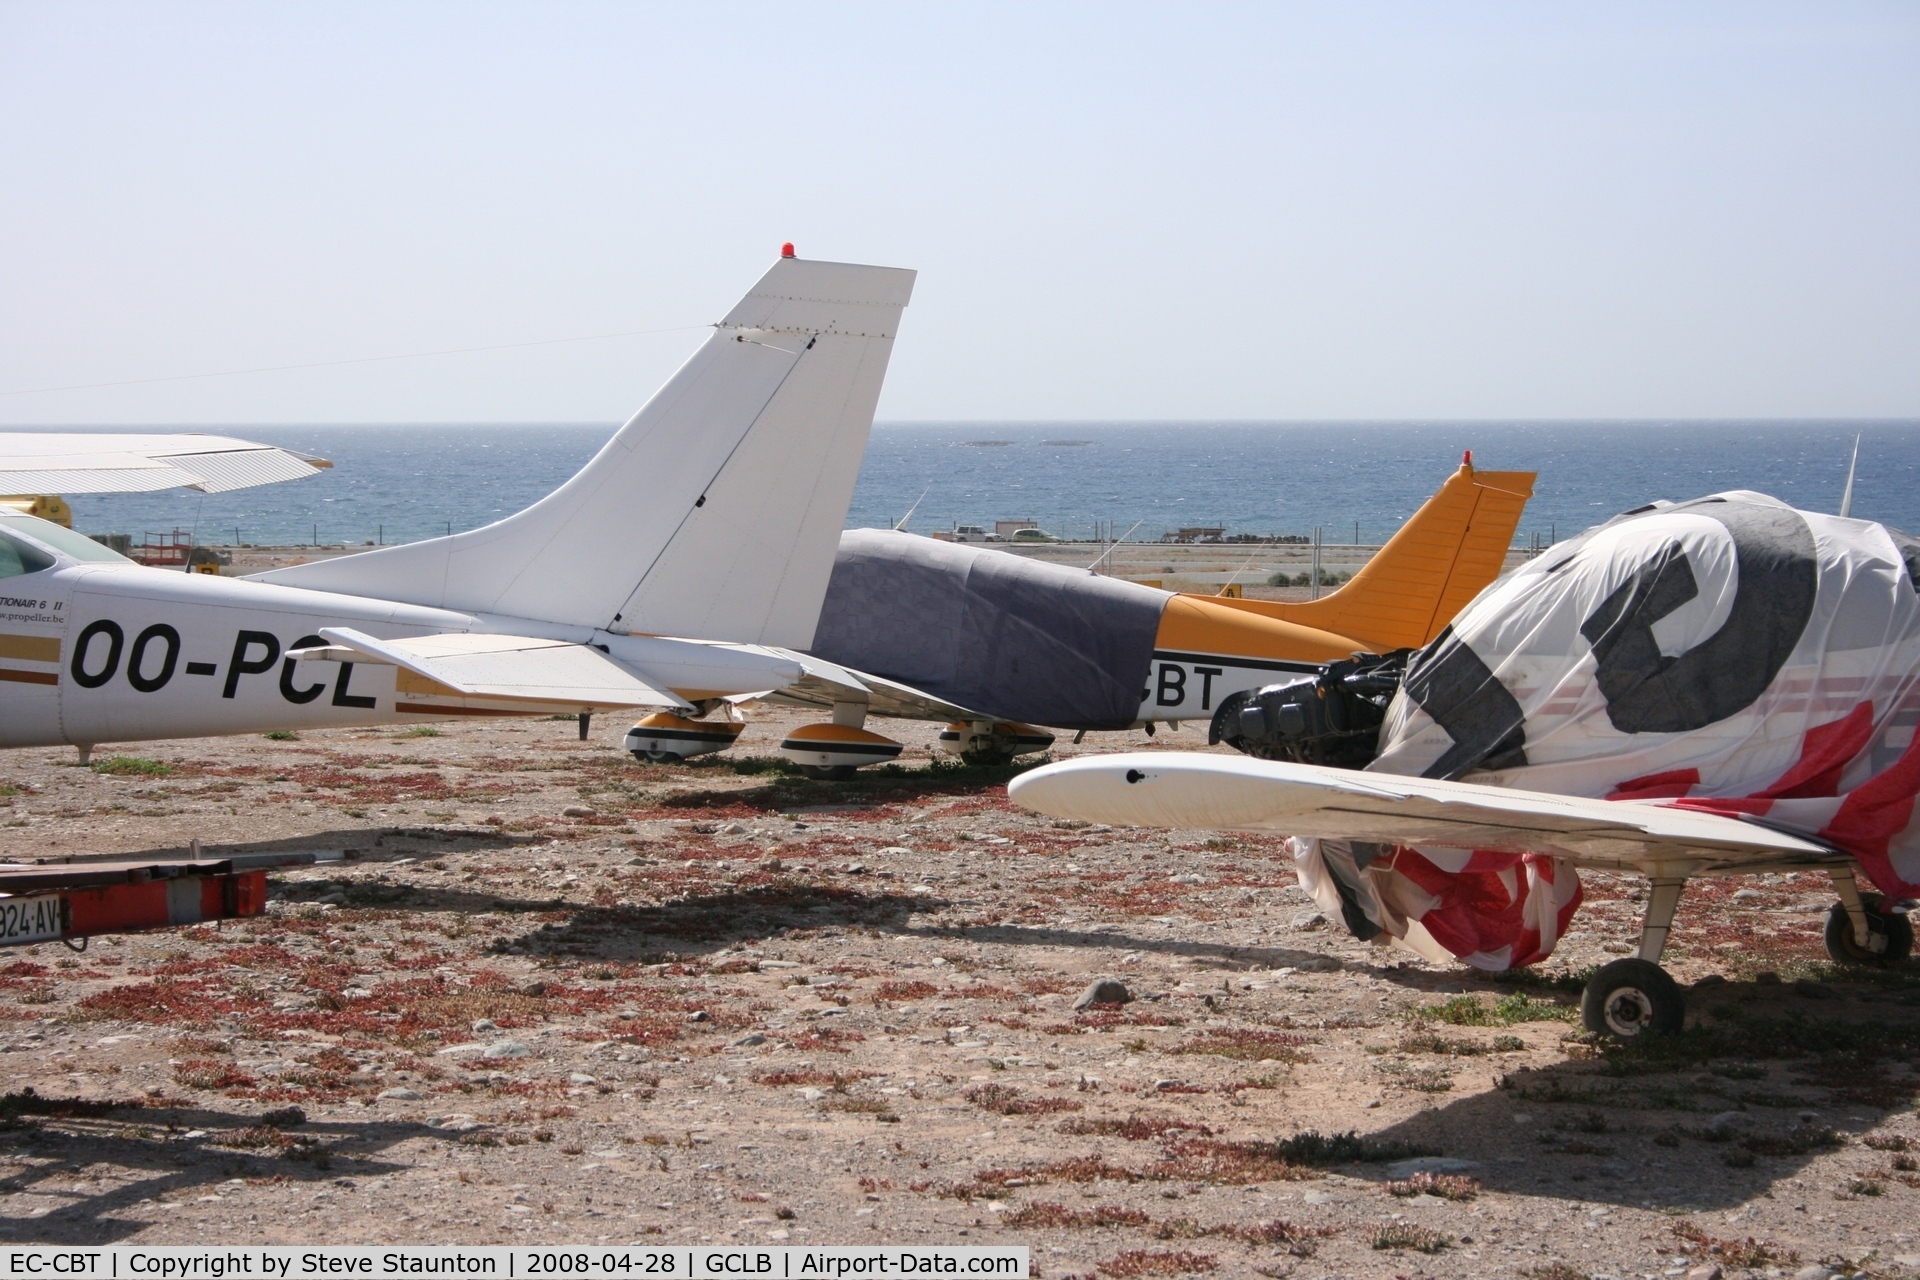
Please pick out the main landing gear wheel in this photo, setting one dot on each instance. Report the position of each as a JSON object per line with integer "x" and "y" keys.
{"x": 1891, "y": 926}
{"x": 656, "y": 757}
{"x": 827, "y": 772}
{"x": 1631, "y": 998}
{"x": 989, "y": 757}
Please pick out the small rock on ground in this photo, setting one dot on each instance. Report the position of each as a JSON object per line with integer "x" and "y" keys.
{"x": 1104, "y": 991}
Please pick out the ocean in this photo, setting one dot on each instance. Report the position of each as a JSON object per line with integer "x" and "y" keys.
{"x": 402, "y": 483}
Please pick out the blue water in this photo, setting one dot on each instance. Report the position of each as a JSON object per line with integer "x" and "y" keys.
{"x": 401, "y": 483}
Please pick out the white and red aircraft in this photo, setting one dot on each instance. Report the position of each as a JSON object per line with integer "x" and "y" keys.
{"x": 1718, "y": 687}
{"x": 671, "y": 572}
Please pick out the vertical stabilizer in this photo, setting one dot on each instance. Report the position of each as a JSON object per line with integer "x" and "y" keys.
{"x": 715, "y": 512}
{"x": 1442, "y": 557}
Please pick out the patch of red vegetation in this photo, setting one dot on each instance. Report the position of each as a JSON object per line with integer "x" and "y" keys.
{"x": 829, "y": 1041}
{"x": 1047, "y": 1214}
{"x": 856, "y": 971}
{"x": 809, "y": 1076}
{"x": 193, "y": 1002}
{"x": 1259, "y": 1046}
{"x": 1007, "y": 1101}
{"x": 1133, "y": 1128}
{"x": 1146, "y": 1262}
{"x": 993, "y": 1184}
{"x": 22, "y": 973}
{"x": 906, "y": 991}
{"x": 1226, "y": 1163}
{"x": 1105, "y": 1017}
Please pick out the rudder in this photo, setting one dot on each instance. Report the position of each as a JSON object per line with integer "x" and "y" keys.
{"x": 1442, "y": 557}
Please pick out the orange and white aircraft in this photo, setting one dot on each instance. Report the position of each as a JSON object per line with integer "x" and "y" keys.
{"x": 993, "y": 644}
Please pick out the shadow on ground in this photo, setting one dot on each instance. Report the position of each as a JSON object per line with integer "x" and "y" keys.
{"x": 148, "y": 1146}
{"x": 1759, "y": 1083}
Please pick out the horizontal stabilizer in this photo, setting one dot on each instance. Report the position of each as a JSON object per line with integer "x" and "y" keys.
{"x": 1216, "y": 792}
{"x": 825, "y": 684}
{"x": 496, "y": 667}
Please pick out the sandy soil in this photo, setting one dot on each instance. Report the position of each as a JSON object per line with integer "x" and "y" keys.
{"x": 553, "y": 994}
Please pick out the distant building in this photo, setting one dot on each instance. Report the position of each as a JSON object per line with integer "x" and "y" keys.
{"x": 1196, "y": 533}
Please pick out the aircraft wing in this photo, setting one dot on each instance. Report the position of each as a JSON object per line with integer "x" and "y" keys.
{"x": 824, "y": 683}
{"x": 1221, "y": 792}
{"x": 497, "y": 668}
{"x": 70, "y": 463}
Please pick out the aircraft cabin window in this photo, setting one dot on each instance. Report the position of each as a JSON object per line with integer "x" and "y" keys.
{"x": 18, "y": 557}
{"x": 62, "y": 539}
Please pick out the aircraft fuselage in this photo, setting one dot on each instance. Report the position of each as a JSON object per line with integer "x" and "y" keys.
{"x": 119, "y": 653}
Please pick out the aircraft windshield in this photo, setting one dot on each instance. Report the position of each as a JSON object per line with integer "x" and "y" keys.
{"x": 65, "y": 541}
{"x": 18, "y": 557}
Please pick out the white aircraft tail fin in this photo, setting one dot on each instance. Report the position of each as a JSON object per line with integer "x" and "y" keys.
{"x": 715, "y": 512}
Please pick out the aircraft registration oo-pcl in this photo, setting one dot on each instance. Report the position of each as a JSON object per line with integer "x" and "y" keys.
{"x": 572, "y": 605}
{"x": 995, "y": 644}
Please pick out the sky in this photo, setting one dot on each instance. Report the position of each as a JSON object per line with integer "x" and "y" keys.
{"x": 1346, "y": 211}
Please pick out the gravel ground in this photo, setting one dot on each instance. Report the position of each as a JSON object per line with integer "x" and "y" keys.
{"x": 545, "y": 993}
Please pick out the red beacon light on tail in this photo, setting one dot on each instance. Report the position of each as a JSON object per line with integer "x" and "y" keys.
{"x": 786, "y": 250}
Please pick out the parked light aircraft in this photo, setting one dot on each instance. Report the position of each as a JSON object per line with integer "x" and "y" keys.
{"x": 1718, "y": 687}
{"x": 711, "y": 515}
{"x": 992, "y": 644}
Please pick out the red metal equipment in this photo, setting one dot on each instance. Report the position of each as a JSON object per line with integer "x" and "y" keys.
{"x": 68, "y": 900}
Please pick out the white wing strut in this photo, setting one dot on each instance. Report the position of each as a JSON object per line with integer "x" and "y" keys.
{"x": 1214, "y": 792}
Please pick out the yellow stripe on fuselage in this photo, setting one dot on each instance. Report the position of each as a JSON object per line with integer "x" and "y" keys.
{"x": 30, "y": 648}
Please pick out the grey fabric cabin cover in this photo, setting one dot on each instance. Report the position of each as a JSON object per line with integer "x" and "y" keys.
{"x": 1009, "y": 637}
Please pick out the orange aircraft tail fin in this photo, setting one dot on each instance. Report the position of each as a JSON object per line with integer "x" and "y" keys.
{"x": 1442, "y": 557}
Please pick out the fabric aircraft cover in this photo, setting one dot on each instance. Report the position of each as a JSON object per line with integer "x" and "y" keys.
{"x": 1730, "y": 654}
{"x": 1006, "y": 636}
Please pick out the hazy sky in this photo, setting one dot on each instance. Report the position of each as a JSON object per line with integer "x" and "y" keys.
{"x": 1193, "y": 211}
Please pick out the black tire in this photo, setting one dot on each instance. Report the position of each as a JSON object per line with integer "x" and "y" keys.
{"x": 828, "y": 772}
{"x": 1891, "y": 925}
{"x": 987, "y": 759}
{"x": 1631, "y": 998}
